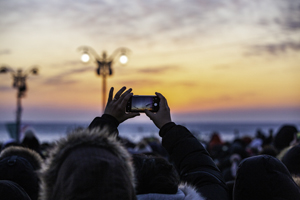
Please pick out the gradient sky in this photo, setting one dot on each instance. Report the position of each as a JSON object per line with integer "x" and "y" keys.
{"x": 213, "y": 60}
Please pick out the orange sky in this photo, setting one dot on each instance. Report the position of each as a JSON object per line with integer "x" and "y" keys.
{"x": 237, "y": 60}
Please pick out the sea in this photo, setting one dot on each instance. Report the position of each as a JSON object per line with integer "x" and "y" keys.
{"x": 49, "y": 132}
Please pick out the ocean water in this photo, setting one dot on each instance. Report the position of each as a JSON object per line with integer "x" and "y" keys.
{"x": 47, "y": 132}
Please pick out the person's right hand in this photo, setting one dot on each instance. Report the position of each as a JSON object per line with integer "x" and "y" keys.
{"x": 116, "y": 106}
{"x": 163, "y": 115}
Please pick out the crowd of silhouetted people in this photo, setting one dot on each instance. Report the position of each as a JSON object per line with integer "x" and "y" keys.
{"x": 94, "y": 162}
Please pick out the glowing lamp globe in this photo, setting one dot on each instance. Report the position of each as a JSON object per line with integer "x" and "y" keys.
{"x": 123, "y": 59}
{"x": 85, "y": 57}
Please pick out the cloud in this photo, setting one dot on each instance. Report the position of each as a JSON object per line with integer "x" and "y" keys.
{"x": 67, "y": 63}
{"x": 172, "y": 24}
{"x": 5, "y": 88}
{"x": 274, "y": 49}
{"x": 155, "y": 70}
{"x": 282, "y": 24}
{"x": 13, "y": 13}
{"x": 225, "y": 98}
{"x": 119, "y": 21}
{"x": 140, "y": 82}
{"x": 77, "y": 71}
{"x": 276, "y": 114}
{"x": 222, "y": 67}
{"x": 283, "y": 17}
{"x": 154, "y": 83}
{"x": 182, "y": 24}
{"x": 183, "y": 84}
{"x": 290, "y": 16}
{"x": 63, "y": 78}
{"x": 59, "y": 81}
{"x": 5, "y": 51}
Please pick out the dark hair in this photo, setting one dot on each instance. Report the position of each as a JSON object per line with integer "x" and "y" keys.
{"x": 155, "y": 175}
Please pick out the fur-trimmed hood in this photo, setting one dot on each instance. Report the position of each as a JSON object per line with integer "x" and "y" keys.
{"x": 33, "y": 157}
{"x": 185, "y": 192}
{"x": 296, "y": 179}
{"x": 88, "y": 164}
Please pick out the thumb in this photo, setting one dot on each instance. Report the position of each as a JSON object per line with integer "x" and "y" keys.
{"x": 132, "y": 115}
{"x": 149, "y": 114}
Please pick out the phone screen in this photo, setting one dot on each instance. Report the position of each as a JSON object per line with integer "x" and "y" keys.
{"x": 142, "y": 103}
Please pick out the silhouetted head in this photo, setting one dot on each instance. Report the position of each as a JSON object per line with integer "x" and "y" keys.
{"x": 264, "y": 177}
{"x": 292, "y": 160}
{"x": 155, "y": 175}
{"x": 285, "y": 136}
{"x": 88, "y": 164}
{"x": 31, "y": 141}
{"x": 20, "y": 165}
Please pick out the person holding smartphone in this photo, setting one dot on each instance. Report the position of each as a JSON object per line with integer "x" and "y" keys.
{"x": 192, "y": 161}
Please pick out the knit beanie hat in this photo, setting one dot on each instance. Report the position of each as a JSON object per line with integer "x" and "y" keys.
{"x": 20, "y": 165}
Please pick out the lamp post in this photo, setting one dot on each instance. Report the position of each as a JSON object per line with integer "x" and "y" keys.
{"x": 19, "y": 82}
{"x": 104, "y": 63}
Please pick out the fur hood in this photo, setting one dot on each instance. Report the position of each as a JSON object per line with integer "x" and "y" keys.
{"x": 296, "y": 179}
{"x": 185, "y": 192}
{"x": 33, "y": 157}
{"x": 88, "y": 164}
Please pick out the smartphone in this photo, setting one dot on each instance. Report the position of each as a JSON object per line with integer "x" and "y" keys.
{"x": 140, "y": 103}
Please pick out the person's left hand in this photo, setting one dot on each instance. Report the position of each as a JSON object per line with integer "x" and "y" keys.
{"x": 116, "y": 106}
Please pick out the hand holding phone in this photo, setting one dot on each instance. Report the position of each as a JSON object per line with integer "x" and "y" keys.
{"x": 163, "y": 115}
{"x": 116, "y": 106}
{"x": 140, "y": 103}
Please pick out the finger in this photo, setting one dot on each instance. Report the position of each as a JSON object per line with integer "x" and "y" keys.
{"x": 125, "y": 99}
{"x": 132, "y": 115}
{"x": 125, "y": 93}
{"x": 118, "y": 94}
{"x": 149, "y": 114}
{"x": 110, "y": 96}
{"x": 163, "y": 100}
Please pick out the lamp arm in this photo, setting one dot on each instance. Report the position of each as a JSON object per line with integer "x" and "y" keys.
{"x": 90, "y": 50}
{"x": 121, "y": 50}
{"x": 33, "y": 70}
{"x": 5, "y": 69}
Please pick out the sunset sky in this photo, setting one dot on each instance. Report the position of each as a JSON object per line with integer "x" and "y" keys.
{"x": 233, "y": 60}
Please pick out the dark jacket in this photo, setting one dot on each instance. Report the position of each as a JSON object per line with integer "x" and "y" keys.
{"x": 88, "y": 164}
{"x": 107, "y": 121}
{"x": 264, "y": 177}
{"x": 193, "y": 163}
{"x": 191, "y": 160}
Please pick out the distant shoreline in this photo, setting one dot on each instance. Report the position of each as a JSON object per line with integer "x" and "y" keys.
{"x": 47, "y": 131}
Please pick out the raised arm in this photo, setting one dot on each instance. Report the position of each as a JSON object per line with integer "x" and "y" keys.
{"x": 114, "y": 112}
{"x": 192, "y": 161}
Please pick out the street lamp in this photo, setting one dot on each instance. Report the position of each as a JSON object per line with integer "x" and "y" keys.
{"x": 19, "y": 82}
{"x": 104, "y": 63}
